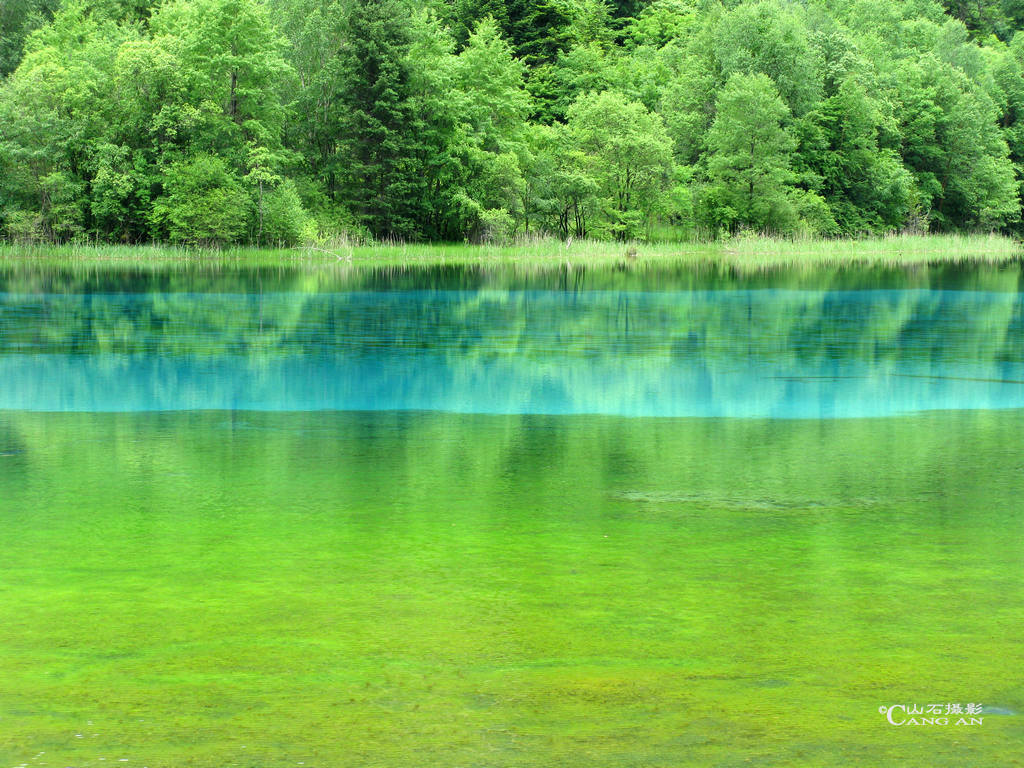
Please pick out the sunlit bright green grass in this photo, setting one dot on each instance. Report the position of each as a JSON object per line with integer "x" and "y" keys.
{"x": 742, "y": 252}
{"x": 258, "y": 589}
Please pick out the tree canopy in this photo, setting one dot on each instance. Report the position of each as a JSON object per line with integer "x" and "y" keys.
{"x": 283, "y": 121}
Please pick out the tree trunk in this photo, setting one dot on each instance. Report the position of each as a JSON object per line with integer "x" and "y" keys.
{"x": 233, "y": 104}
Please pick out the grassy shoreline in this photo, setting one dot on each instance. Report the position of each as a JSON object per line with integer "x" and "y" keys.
{"x": 746, "y": 252}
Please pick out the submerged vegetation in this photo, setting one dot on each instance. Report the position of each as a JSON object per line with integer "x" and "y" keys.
{"x": 251, "y": 546}
{"x": 208, "y": 587}
{"x": 285, "y": 122}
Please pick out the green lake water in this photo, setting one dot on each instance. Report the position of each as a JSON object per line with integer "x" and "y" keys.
{"x": 471, "y": 517}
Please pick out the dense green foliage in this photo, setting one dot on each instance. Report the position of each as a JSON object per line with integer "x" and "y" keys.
{"x": 283, "y": 121}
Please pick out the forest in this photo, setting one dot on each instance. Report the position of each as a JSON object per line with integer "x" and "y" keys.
{"x": 281, "y": 122}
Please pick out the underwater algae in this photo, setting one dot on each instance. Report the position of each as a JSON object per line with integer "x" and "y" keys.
{"x": 187, "y": 581}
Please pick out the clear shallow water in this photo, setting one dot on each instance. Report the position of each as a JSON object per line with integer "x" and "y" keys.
{"x": 213, "y": 574}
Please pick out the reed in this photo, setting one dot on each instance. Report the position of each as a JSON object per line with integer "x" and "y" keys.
{"x": 744, "y": 253}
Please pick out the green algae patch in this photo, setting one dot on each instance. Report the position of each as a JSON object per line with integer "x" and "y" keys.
{"x": 356, "y": 589}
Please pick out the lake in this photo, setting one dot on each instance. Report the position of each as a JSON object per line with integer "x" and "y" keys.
{"x": 471, "y": 516}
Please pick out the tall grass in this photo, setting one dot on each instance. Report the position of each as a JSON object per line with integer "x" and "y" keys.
{"x": 742, "y": 252}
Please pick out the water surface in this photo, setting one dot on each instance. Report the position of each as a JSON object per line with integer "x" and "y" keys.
{"x": 485, "y": 517}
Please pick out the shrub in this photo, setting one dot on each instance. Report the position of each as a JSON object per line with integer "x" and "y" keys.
{"x": 284, "y": 220}
{"x": 203, "y": 203}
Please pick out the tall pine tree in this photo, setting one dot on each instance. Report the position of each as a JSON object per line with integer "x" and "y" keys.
{"x": 379, "y": 176}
